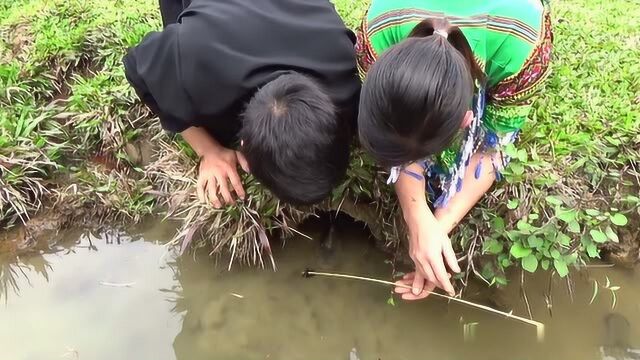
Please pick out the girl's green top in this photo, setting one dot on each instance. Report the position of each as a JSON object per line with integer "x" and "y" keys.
{"x": 511, "y": 41}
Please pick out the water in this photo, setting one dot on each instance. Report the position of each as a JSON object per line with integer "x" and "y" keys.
{"x": 118, "y": 296}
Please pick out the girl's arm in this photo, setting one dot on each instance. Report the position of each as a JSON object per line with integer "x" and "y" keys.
{"x": 472, "y": 191}
{"x": 429, "y": 245}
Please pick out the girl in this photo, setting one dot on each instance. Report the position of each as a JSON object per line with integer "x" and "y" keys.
{"x": 448, "y": 83}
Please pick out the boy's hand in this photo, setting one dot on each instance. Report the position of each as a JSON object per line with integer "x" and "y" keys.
{"x": 218, "y": 169}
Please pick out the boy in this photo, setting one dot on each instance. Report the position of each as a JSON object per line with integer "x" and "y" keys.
{"x": 277, "y": 77}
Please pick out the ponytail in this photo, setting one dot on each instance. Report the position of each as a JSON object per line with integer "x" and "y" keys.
{"x": 439, "y": 29}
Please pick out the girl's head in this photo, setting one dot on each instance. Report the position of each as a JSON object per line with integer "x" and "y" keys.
{"x": 418, "y": 94}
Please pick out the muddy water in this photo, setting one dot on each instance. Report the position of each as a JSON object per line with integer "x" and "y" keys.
{"x": 123, "y": 296}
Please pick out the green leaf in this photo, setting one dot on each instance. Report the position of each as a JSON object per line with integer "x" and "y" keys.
{"x": 611, "y": 234}
{"x": 545, "y": 264}
{"x": 598, "y": 236}
{"x": 522, "y": 155}
{"x": 563, "y": 239}
{"x": 518, "y": 251}
{"x": 492, "y": 246}
{"x": 592, "y": 250}
{"x": 555, "y": 253}
{"x": 571, "y": 258}
{"x": 501, "y": 280}
{"x": 512, "y": 204}
{"x": 574, "y": 227}
{"x": 391, "y": 301}
{"x": 566, "y": 215}
{"x": 553, "y": 200}
{"x": 524, "y": 226}
{"x": 535, "y": 242}
{"x": 505, "y": 263}
{"x": 534, "y": 216}
{"x": 592, "y": 212}
{"x": 561, "y": 267}
{"x": 632, "y": 199}
{"x": 517, "y": 168}
{"x": 498, "y": 225}
{"x": 619, "y": 219}
{"x": 530, "y": 263}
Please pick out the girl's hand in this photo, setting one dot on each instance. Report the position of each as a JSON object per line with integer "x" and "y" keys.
{"x": 404, "y": 288}
{"x": 430, "y": 248}
{"x": 218, "y": 169}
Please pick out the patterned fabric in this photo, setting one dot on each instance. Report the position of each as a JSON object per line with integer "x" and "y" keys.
{"x": 511, "y": 40}
{"x": 509, "y": 102}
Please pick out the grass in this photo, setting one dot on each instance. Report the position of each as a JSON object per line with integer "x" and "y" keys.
{"x": 72, "y": 133}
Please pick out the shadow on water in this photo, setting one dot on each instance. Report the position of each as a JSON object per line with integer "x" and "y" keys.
{"x": 118, "y": 295}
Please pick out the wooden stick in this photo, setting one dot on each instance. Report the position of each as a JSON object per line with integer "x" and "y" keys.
{"x": 539, "y": 326}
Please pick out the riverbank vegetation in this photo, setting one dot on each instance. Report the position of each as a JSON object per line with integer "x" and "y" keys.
{"x": 76, "y": 146}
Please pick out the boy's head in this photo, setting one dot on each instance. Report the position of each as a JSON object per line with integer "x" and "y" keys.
{"x": 293, "y": 140}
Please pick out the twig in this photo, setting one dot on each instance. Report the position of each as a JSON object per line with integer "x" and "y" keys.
{"x": 117, "y": 284}
{"x": 524, "y": 294}
{"x": 538, "y": 325}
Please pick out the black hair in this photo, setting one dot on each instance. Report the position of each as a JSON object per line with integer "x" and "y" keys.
{"x": 416, "y": 94}
{"x": 294, "y": 141}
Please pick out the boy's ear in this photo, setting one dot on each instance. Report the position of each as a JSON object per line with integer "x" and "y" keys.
{"x": 468, "y": 117}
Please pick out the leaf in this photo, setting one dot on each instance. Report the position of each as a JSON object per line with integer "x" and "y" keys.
{"x": 632, "y": 199}
{"x": 492, "y": 246}
{"x": 561, "y": 267}
{"x": 592, "y": 212}
{"x": 498, "y": 224}
{"x": 518, "y": 251}
{"x": 571, "y": 258}
{"x": 563, "y": 239}
{"x": 595, "y": 292}
{"x": 553, "y": 200}
{"x": 501, "y": 280}
{"x": 566, "y": 215}
{"x": 619, "y": 219}
{"x": 530, "y": 263}
{"x": 522, "y": 155}
{"x": 592, "y": 251}
{"x": 611, "y": 234}
{"x": 512, "y": 204}
{"x": 524, "y": 226}
{"x": 391, "y": 301}
{"x": 517, "y": 168}
{"x": 535, "y": 242}
{"x": 598, "y": 236}
{"x": 545, "y": 264}
{"x": 574, "y": 227}
{"x": 555, "y": 253}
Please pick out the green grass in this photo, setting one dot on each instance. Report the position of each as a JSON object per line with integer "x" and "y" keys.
{"x": 67, "y": 114}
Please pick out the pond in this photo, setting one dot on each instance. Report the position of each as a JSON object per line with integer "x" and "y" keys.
{"x": 118, "y": 295}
